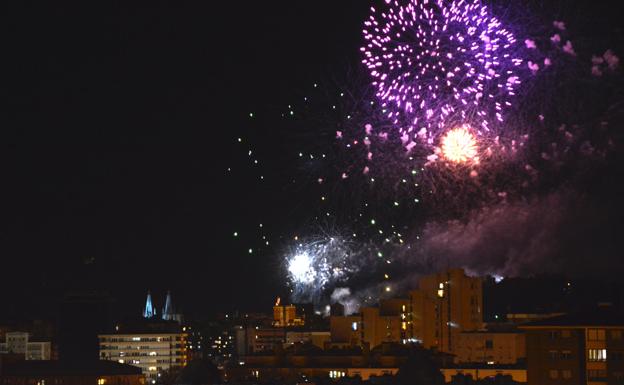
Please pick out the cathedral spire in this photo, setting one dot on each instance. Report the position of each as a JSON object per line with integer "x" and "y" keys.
{"x": 149, "y": 308}
{"x": 167, "y": 313}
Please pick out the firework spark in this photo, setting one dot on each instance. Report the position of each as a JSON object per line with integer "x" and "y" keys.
{"x": 315, "y": 264}
{"x": 437, "y": 63}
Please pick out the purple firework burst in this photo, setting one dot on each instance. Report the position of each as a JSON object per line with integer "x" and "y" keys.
{"x": 440, "y": 63}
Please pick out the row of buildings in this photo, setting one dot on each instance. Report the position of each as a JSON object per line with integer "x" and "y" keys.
{"x": 441, "y": 319}
{"x": 444, "y": 315}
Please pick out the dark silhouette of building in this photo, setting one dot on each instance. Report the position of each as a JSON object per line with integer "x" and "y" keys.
{"x": 83, "y": 315}
{"x": 69, "y": 373}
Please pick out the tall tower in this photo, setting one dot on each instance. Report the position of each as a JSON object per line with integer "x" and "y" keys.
{"x": 149, "y": 308}
{"x": 446, "y": 304}
{"x": 167, "y": 313}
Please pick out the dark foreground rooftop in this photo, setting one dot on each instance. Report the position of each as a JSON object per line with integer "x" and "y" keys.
{"x": 602, "y": 315}
{"x": 66, "y": 368}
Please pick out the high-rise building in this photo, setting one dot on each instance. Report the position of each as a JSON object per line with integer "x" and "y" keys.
{"x": 154, "y": 346}
{"x": 579, "y": 348}
{"x": 445, "y": 304}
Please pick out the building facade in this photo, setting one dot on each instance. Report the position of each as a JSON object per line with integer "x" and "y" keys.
{"x": 152, "y": 352}
{"x": 444, "y": 305}
{"x": 583, "y": 348}
{"x": 19, "y": 343}
{"x": 490, "y": 347}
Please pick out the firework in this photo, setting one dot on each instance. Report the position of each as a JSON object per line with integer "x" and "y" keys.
{"x": 315, "y": 264}
{"x": 459, "y": 146}
{"x": 440, "y": 63}
{"x": 318, "y": 265}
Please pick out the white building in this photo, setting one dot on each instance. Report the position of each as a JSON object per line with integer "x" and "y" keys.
{"x": 18, "y": 343}
{"x": 151, "y": 351}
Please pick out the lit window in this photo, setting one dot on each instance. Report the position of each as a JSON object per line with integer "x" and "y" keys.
{"x": 152, "y": 368}
{"x": 354, "y": 326}
{"x": 440, "y": 293}
{"x": 136, "y": 338}
{"x": 404, "y": 325}
{"x": 121, "y": 361}
{"x": 101, "y": 381}
{"x": 597, "y": 355}
{"x": 553, "y": 374}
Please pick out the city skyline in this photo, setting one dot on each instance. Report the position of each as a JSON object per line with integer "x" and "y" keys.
{"x": 146, "y": 150}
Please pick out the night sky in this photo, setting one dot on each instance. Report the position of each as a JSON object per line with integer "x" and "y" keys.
{"x": 120, "y": 124}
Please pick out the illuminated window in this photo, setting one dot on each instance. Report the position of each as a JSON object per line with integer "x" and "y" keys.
{"x": 553, "y": 374}
{"x": 403, "y": 308}
{"x": 354, "y": 326}
{"x": 440, "y": 293}
{"x": 404, "y": 325}
{"x": 152, "y": 368}
{"x": 597, "y": 355}
{"x": 121, "y": 361}
{"x": 101, "y": 381}
{"x": 136, "y": 338}
{"x": 336, "y": 374}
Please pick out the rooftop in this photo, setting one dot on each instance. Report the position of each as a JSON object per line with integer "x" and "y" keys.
{"x": 67, "y": 368}
{"x": 602, "y": 315}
